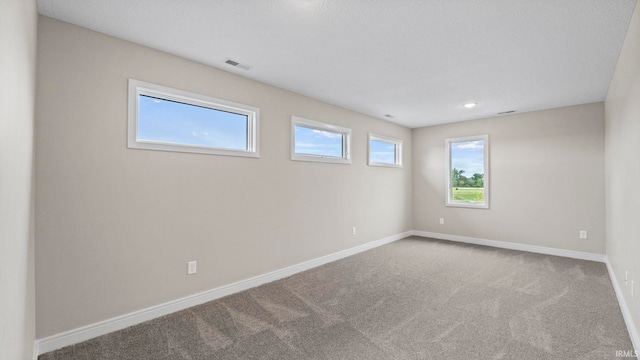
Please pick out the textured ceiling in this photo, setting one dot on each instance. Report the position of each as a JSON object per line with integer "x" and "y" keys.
{"x": 418, "y": 60}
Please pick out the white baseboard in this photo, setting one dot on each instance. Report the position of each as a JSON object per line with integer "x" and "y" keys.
{"x": 514, "y": 246}
{"x": 84, "y": 333}
{"x": 626, "y": 314}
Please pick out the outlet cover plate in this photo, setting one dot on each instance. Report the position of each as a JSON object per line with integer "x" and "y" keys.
{"x": 192, "y": 267}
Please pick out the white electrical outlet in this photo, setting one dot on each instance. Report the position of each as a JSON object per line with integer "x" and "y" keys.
{"x": 353, "y": 230}
{"x": 441, "y": 221}
{"x": 583, "y": 234}
{"x": 192, "y": 267}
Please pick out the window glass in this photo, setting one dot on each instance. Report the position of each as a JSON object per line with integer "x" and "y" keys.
{"x": 385, "y": 151}
{"x": 320, "y": 142}
{"x": 162, "y": 118}
{"x": 468, "y": 172}
{"x": 178, "y": 123}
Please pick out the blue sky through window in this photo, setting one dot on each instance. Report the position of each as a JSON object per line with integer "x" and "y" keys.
{"x": 318, "y": 142}
{"x": 468, "y": 156}
{"x": 382, "y": 152}
{"x": 178, "y": 123}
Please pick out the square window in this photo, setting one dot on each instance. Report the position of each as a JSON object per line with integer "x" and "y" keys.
{"x": 161, "y": 118}
{"x": 468, "y": 171}
{"x": 321, "y": 142}
{"x": 385, "y": 151}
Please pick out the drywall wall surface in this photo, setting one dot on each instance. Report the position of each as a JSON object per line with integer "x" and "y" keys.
{"x": 18, "y": 22}
{"x": 116, "y": 227}
{"x": 546, "y": 179}
{"x": 622, "y": 155}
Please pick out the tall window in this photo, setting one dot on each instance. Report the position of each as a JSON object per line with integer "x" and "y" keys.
{"x": 317, "y": 141}
{"x": 385, "y": 151}
{"x": 162, "y": 118}
{"x": 468, "y": 171}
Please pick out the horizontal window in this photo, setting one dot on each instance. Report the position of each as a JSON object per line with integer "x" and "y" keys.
{"x": 385, "y": 151}
{"x": 317, "y": 141}
{"x": 162, "y": 118}
{"x": 468, "y": 171}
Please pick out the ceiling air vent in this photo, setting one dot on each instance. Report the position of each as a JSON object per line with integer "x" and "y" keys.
{"x": 506, "y": 112}
{"x": 237, "y": 64}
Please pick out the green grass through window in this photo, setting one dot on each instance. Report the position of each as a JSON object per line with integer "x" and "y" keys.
{"x": 468, "y": 194}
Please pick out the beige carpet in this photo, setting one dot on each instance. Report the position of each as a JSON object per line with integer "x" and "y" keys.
{"x": 416, "y": 298}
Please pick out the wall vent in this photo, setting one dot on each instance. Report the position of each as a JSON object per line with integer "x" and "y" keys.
{"x": 237, "y": 64}
{"x": 506, "y": 112}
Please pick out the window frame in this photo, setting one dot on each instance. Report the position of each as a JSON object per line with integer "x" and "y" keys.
{"x": 389, "y": 140}
{"x": 449, "y": 197}
{"x": 317, "y": 125}
{"x": 137, "y": 88}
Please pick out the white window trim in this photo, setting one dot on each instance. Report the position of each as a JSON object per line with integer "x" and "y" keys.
{"x": 467, "y": 204}
{"x": 396, "y": 142}
{"x": 137, "y": 88}
{"x": 346, "y": 145}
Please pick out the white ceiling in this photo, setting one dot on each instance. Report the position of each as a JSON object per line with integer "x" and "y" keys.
{"x": 418, "y": 60}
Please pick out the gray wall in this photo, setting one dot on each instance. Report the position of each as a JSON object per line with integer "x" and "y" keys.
{"x": 622, "y": 154}
{"x": 546, "y": 179}
{"x": 116, "y": 226}
{"x": 18, "y": 21}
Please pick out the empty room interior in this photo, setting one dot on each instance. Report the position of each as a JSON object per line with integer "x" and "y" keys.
{"x": 319, "y": 179}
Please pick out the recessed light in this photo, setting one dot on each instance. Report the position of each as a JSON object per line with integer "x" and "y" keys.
{"x": 470, "y": 105}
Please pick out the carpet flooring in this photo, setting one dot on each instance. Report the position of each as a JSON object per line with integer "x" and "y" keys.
{"x": 416, "y": 298}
